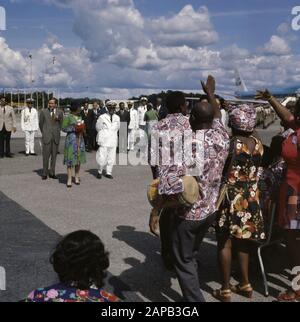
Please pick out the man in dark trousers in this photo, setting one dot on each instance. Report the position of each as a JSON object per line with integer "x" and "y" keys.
{"x": 7, "y": 126}
{"x": 91, "y": 121}
{"x": 123, "y": 133}
{"x": 50, "y": 124}
{"x": 84, "y": 115}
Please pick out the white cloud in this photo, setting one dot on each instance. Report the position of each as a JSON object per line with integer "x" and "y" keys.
{"x": 277, "y": 46}
{"x": 187, "y": 28}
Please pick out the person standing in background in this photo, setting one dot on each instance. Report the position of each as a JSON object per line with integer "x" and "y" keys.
{"x": 142, "y": 109}
{"x": 29, "y": 125}
{"x": 7, "y": 126}
{"x": 151, "y": 118}
{"x": 84, "y": 116}
{"x": 50, "y": 124}
{"x": 92, "y": 118}
{"x": 133, "y": 126}
{"x": 123, "y": 133}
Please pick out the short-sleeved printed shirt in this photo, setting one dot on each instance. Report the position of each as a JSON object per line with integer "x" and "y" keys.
{"x": 209, "y": 151}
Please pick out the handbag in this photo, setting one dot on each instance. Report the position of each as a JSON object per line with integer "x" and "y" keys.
{"x": 187, "y": 198}
{"x": 227, "y": 169}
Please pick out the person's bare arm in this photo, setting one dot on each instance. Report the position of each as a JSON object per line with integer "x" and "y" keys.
{"x": 209, "y": 89}
{"x": 284, "y": 114}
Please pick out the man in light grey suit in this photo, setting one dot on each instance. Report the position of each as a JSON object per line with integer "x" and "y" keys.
{"x": 50, "y": 125}
{"x": 7, "y": 125}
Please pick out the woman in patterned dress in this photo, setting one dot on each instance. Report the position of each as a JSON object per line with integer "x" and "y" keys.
{"x": 289, "y": 201}
{"x": 80, "y": 260}
{"x": 74, "y": 154}
{"x": 240, "y": 218}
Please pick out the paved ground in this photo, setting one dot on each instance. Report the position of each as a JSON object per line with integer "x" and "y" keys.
{"x": 35, "y": 213}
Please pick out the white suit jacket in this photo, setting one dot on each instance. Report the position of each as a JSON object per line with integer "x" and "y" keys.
{"x": 141, "y": 113}
{"x": 108, "y": 130}
{"x": 29, "y": 120}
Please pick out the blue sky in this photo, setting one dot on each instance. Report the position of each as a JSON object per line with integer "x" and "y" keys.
{"x": 237, "y": 20}
{"x": 249, "y": 25}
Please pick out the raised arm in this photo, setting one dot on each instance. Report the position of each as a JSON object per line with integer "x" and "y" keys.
{"x": 285, "y": 115}
{"x": 209, "y": 89}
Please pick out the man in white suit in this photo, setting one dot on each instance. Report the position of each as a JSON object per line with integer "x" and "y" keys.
{"x": 29, "y": 125}
{"x": 142, "y": 109}
{"x": 133, "y": 126}
{"x": 107, "y": 127}
{"x": 7, "y": 125}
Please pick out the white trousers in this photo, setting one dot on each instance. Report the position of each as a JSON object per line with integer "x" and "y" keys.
{"x": 106, "y": 158}
{"x": 29, "y": 141}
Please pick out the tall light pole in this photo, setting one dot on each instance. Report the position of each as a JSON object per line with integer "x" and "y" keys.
{"x": 31, "y": 75}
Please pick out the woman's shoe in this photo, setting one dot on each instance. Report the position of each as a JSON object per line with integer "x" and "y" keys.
{"x": 77, "y": 181}
{"x": 289, "y": 296}
{"x": 222, "y": 295}
{"x": 246, "y": 290}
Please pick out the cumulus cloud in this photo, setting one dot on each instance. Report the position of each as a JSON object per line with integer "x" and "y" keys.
{"x": 187, "y": 28}
{"x": 277, "y": 46}
{"x": 13, "y": 66}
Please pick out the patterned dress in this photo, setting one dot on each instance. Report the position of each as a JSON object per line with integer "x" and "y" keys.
{"x": 74, "y": 153}
{"x": 241, "y": 215}
{"x": 289, "y": 201}
{"x": 69, "y": 293}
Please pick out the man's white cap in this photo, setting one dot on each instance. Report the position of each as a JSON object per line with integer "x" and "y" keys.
{"x": 144, "y": 99}
{"x": 111, "y": 103}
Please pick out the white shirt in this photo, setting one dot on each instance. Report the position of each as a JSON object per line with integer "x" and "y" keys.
{"x": 29, "y": 119}
{"x": 134, "y": 119}
{"x": 141, "y": 113}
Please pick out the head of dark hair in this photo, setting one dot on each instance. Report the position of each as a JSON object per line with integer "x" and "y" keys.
{"x": 201, "y": 114}
{"x": 81, "y": 258}
{"x": 175, "y": 102}
{"x": 74, "y": 107}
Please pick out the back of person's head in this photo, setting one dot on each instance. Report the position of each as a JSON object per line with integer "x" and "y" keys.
{"x": 202, "y": 113}
{"x": 74, "y": 107}
{"x": 80, "y": 257}
{"x": 175, "y": 102}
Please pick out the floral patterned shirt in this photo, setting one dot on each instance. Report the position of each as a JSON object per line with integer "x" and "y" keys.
{"x": 210, "y": 152}
{"x": 167, "y": 138}
{"x": 202, "y": 155}
{"x": 68, "y": 293}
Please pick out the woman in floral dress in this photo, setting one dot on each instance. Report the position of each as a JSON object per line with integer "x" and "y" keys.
{"x": 80, "y": 260}
{"x": 74, "y": 154}
{"x": 240, "y": 218}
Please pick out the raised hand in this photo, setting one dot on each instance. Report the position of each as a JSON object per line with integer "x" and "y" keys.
{"x": 263, "y": 95}
{"x": 210, "y": 86}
